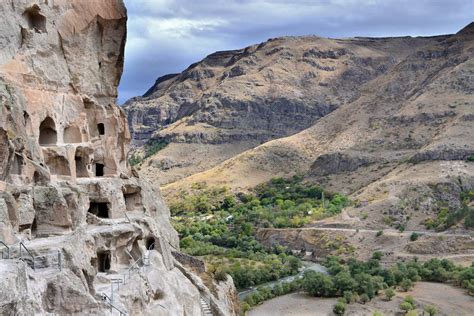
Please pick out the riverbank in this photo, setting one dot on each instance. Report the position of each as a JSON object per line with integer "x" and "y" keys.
{"x": 449, "y": 300}
{"x": 307, "y": 265}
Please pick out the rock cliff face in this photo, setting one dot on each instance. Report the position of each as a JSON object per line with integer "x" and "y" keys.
{"x": 75, "y": 222}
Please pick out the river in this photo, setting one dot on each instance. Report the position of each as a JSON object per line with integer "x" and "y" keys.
{"x": 307, "y": 265}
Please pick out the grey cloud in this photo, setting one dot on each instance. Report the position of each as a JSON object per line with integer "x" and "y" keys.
{"x": 165, "y": 36}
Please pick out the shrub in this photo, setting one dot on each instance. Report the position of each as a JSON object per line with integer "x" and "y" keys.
{"x": 405, "y": 306}
{"x": 406, "y": 285}
{"x": 414, "y": 236}
{"x": 389, "y": 293}
{"x": 340, "y": 307}
{"x": 364, "y": 298}
{"x": 348, "y": 297}
{"x": 220, "y": 275}
{"x": 379, "y": 233}
{"x": 430, "y": 310}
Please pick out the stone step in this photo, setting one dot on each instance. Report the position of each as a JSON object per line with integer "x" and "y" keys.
{"x": 206, "y": 309}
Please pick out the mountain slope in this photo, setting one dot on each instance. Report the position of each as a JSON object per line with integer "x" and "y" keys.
{"x": 410, "y": 129}
{"x": 236, "y": 100}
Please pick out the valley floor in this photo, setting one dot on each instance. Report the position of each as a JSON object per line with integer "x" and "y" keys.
{"x": 448, "y": 300}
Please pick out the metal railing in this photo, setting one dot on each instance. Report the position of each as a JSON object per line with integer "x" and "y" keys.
{"x": 33, "y": 261}
{"x": 8, "y": 251}
{"x": 22, "y": 246}
{"x": 109, "y": 301}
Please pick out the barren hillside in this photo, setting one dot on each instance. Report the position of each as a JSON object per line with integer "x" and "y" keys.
{"x": 236, "y": 100}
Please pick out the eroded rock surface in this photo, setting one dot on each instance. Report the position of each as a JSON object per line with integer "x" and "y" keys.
{"x": 74, "y": 218}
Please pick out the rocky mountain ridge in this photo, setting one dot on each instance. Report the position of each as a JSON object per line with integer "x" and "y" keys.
{"x": 400, "y": 122}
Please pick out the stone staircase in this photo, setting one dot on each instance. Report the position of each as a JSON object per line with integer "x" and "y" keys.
{"x": 37, "y": 260}
{"x": 205, "y": 308}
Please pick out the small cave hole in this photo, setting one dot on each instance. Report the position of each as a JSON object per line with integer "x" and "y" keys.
{"x": 150, "y": 243}
{"x": 99, "y": 170}
{"x": 103, "y": 259}
{"x": 36, "y": 21}
{"x": 101, "y": 128}
{"x": 99, "y": 209}
{"x": 34, "y": 227}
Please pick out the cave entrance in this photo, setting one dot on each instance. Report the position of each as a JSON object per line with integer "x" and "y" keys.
{"x": 99, "y": 209}
{"x": 132, "y": 200}
{"x": 72, "y": 135}
{"x": 81, "y": 169}
{"x": 34, "y": 227}
{"x": 103, "y": 258}
{"x": 48, "y": 134}
{"x": 35, "y": 19}
{"x": 101, "y": 128}
{"x": 99, "y": 170}
{"x": 58, "y": 165}
{"x": 150, "y": 243}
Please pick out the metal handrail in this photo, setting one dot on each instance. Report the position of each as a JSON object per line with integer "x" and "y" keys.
{"x": 8, "y": 250}
{"x": 22, "y": 245}
{"x": 105, "y": 297}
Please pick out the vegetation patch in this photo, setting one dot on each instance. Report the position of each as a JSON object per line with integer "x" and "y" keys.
{"x": 446, "y": 218}
{"x": 219, "y": 226}
{"x": 148, "y": 150}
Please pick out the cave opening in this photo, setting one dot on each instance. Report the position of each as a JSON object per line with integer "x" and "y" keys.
{"x": 72, "y": 135}
{"x": 99, "y": 209}
{"x": 103, "y": 258}
{"x": 101, "y": 128}
{"x": 35, "y": 19}
{"x": 99, "y": 170}
{"x": 150, "y": 243}
{"x": 48, "y": 134}
{"x": 81, "y": 169}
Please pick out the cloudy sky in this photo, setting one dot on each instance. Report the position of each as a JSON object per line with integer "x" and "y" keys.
{"x": 165, "y": 36}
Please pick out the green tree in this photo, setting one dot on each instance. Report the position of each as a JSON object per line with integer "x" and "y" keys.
{"x": 344, "y": 282}
{"x": 406, "y": 285}
{"x": 318, "y": 284}
{"x": 389, "y": 293}
{"x": 340, "y": 307}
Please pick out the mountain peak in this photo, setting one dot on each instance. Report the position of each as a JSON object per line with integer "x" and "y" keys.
{"x": 468, "y": 29}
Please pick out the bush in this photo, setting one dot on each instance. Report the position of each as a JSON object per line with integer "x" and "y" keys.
{"x": 389, "y": 293}
{"x": 220, "y": 275}
{"x": 340, "y": 307}
{"x": 405, "y": 306}
{"x": 364, "y": 298}
{"x": 414, "y": 236}
{"x": 379, "y": 233}
{"x": 406, "y": 285}
{"x": 430, "y": 310}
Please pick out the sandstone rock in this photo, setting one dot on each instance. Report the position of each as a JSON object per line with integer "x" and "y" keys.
{"x": 70, "y": 206}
